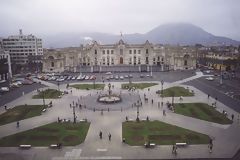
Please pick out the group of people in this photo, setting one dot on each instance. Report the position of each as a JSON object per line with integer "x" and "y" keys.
{"x": 101, "y": 135}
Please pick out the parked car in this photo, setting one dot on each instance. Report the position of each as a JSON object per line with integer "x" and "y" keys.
{"x": 60, "y": 79}
{"x": 126, "y": 76}
{"x": 121, "y": 77}
{"x": 74, "y": 77}
{"x": 4, "y": 89}
{"x": 27, "y": 82}
{"x": 86, "y": 78}
{"x": 108, "y": 73}
{"x": 2, "y": 81}
{"x": 210, "y": 78}
{"x": 116, "y": 77}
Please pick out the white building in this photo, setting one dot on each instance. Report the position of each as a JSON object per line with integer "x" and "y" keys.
{"x": 20, "y": 47}
{"x": 96, "y": 57}
{"x": 5, "y": 65}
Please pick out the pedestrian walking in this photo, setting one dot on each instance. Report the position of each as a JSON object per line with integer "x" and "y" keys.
{"x": 173, "y": 148}
{"x": 152, "y": 101}
{"x": 17, "y": 124}
{"x": 5, "y": 107}
{"x": 109, "y": 136}
{"x": 100, "y": 134}
{"x": 210, "y": 148}
{"x": 164, "y": 112}
{"x": 126, "y": 118}
{"x": 232, "y": 117}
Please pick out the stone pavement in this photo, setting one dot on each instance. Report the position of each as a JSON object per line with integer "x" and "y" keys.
{"x": 226, "y": 137}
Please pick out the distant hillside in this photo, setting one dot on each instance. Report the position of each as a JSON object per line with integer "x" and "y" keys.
{"x": 174, "y": 33}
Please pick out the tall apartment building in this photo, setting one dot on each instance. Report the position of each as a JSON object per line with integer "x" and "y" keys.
{"x": 21, "y": 47}
{"x": 5, "y": 65}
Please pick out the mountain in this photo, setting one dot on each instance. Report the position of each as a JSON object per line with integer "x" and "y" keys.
{"x": 173, "y": 33}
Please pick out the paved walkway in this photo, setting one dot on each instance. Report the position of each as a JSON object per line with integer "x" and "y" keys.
{"x": 226, "y": 137}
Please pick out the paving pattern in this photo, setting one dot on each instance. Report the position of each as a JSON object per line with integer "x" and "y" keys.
{"x": 226, "y": 137}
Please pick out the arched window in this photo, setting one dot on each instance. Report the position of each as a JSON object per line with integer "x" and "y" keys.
{"x": 51, "y": 57}
{"x": 52, "y": 64}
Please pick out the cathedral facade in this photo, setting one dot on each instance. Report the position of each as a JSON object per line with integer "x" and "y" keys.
{"x": 97, "y": 57}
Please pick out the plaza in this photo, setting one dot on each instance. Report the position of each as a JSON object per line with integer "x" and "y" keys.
{"x": 109, "y": 118}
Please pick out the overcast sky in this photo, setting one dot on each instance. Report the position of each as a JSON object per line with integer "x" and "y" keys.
{"x": 42, "y": 17}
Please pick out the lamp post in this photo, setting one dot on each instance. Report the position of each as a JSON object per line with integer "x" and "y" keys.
{"x": 137, "y": 105}
{"x": 43, "y": 98}
{"x": 173, "y": 98}
{"x": 221, "y": 79}
{"x": 74, "y": 114}
{"x": 151, "y": 71}
{"x": 58, "y": 88}
{"x": 162, "y": 82}
{"x": 94, "y": 80}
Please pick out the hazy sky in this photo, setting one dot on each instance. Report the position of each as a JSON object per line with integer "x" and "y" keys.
{"x": 42, "y": 17}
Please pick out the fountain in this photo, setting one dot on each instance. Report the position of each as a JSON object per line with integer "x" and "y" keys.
{"x": 110, "y": 97}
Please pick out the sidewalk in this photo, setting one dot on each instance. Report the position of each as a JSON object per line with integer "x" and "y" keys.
{"x": 226, "y": 137}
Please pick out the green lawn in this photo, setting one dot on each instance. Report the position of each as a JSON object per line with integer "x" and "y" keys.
{"x": 137, "y": 133}
{"x": 88, "y": 86}
{"x": 20, "y": 112}
{"x": 177, "y": 91}
{"x": 67, "y": 133}
{"x": 48, "y": 94}
{"x": 138, "y": 85}
{"x": 201, "y": 111}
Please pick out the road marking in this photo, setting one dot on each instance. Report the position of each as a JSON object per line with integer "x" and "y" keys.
{"x": 101, "y": 150}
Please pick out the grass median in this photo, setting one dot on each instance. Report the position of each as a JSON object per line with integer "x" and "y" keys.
{"x": 160, "y": 133}
{"x": 48, "y": 94}
{"x": 69, "y": 134}
{"x": 137, "y": 85}
{"x": 201, "y": 111}
{"x": 20, "y": 112}
{"x": 176, "y": 91}
{"x": 88, "y": 86}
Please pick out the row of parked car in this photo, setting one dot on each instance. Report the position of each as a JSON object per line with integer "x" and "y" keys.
{"x": 61, "y": 78}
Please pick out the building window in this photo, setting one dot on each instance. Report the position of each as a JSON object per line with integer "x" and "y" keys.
{"x": 103, "y": 52}
{"x": 139, "y": 51}
{"x": 52, "y": 64}
{"x": 107, "y": 51}
{"x": 130, "y": 51}
{"x": 135, "y": 51}
{"x": 146, "y": 51}
{"x": 95, "y": 51}
{"x": 162, "y": 59}
{"x": 158, "y": 58}
{"x": 121, "y": 51}
{"x": 111, "y": 51}
{"x": 146, "y": 60}
{"x": 185, "y": 62}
